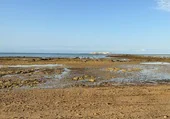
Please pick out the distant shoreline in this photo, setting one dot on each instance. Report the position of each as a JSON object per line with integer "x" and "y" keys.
{"x": 74, "y": 55}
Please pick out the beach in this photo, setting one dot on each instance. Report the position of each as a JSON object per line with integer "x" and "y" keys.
{"x": 119, "y": 102}
{"x": 116, "y": 87}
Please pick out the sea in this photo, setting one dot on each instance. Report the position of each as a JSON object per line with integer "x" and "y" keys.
{"x": 53, "y": 55}
{"x": 69, "y": 55}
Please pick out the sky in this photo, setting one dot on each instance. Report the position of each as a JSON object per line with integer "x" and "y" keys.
{"x": 68, "y": 26}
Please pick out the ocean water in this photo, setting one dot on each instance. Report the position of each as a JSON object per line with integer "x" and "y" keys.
{"x": 69, "y": 55}
{"x": 52, "y": 55}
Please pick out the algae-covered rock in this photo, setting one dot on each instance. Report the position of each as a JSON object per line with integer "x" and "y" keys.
{"x": 80, "y": 78}
{"x": 84, "y": 77}
{"x": 16, "y": 83}
{"x": 124, "y": 70}
{"x": 75, "y": 78}
{"x": 92, "y": 80}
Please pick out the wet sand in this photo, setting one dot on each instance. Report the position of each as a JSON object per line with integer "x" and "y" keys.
{"x": 120, "y": 87}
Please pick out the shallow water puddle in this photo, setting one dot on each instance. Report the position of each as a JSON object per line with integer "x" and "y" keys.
{"x": 156, "y": 63}
{"x": 153, "y": 72}
{"x": 60, "y": 76}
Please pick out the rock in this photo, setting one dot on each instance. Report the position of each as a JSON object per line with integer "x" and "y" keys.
{"x": 136, "y": 69}
{"x": 109, "y": 103}
{"x": 113, "y": 60}
{"x": 165, "y": 117}
{"x": 85, "y": 76}
{"x": 7, "y": 84}
{"x": 3, "y": 86}
{"x": 75, "y": 78}
{"x": 16, "y": 86}
{"x": 44, "y": 58}
{"x": 123, "y": 70}
{"x": 80, "y": 78}
{"x": 77, "y": 58}
{"x": 116, "y": 69}
{"x": 110, "y": 69}
{"x": 35, "y": 82}
{"x": 92, "y": 80}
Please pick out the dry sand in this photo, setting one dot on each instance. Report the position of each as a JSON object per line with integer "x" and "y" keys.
{"x": 122, "y": 102}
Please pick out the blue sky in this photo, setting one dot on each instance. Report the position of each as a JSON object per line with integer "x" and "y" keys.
{"x": 118, "y": 26}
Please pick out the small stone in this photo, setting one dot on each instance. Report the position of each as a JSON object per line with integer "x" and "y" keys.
{"x": 84, "y": 60}
{"x": 91, "y": 80}
{"x": 116, "y": 69}
{"x": 1, "y": 82}
{"x": 78, "y": 114}
{"x": 80, "y": 78}
{"x": 113, "y": 60}
{"x": 123, "y": 70}
{"x": 75, "y": 78}
{"x": 110, "y": 69}
{"x": 7, "y": 84}
{"x": 86, "y": 76}
{"x": 95, "y": 114}
{"x": 165, "y": 117}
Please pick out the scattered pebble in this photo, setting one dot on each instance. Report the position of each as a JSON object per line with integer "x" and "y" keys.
{"x": 165, "y": 117}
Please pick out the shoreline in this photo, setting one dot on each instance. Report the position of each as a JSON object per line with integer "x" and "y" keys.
{"x": 85, "y": 72}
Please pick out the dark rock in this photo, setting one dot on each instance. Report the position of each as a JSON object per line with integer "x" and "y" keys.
{"x": 77, "y": 58}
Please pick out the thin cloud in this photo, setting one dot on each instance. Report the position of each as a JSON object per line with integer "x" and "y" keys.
{"x": 164, "y": 5}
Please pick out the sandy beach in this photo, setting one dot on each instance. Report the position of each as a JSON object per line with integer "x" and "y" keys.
{"x": 84, "y": 59}
{"x": 120, "y": 102}
{"x": 118, "y": 87}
